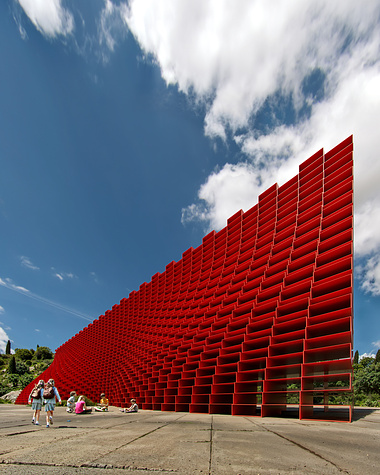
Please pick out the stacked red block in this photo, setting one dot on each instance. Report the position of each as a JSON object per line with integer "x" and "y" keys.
{"x": 255, "y": 321}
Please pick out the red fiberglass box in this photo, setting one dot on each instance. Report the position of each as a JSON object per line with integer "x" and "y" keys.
{"x": 256, "y": 321}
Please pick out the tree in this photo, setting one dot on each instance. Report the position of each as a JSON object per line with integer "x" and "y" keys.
{"x": 23, "y": 354}
{"x": 8, "y": 348}
{"x": 377, "y": 357}
{"x": 12, "y": 366}
{"x": 43, "y": 353}
{"x": 367, "y": 379}
{"x": 356, "y": 357}
{"x": 366, "y": 362}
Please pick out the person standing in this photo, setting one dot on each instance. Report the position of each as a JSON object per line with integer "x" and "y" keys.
{"x": 36, "y": 398}
{"x": 51, "y": 394}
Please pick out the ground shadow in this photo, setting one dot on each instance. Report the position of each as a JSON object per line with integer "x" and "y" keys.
{"x": 361, "y": 412}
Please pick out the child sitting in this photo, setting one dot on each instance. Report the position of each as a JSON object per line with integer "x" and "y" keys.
{"x": 80, "y": 406}
{"x": 103, "y": 405}
{"x": 132, "y": 408}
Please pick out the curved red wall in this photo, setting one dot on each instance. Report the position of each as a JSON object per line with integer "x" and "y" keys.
{"x": 255, "y": 321}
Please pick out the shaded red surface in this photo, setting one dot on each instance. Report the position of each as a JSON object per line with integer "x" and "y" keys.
{"x": 255, "y": 321}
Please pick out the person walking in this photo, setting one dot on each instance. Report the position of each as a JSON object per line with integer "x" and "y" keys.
{"x": 36, "y": 398}
{"x": 50, "y": 395}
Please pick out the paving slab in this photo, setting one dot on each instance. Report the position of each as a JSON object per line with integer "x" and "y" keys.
{"x": 181, "y": 443}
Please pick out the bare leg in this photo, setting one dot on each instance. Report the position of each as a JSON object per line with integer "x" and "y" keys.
{"x": 48, "y": 415}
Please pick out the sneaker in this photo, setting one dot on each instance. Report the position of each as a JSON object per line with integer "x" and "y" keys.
{"x": 51, "y": 421}
{"x": 47, "y": 425}
{"x": 37, "y": 423}
{"x": 32, "y": 421}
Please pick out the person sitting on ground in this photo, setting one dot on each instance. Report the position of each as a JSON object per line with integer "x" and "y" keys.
{"x": 132, "y": 408}
{"x": 103, "y": 405}
{"x": 80, "y": 406}
{"x": 71, "y": 402}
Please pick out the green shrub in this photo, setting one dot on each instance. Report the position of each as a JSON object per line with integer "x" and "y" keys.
{"x": 88, "y": 401}
{"x": 43, "y": 353}
{"x": 25, "y": 379}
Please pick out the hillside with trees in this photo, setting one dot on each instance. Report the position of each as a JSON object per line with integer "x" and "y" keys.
{"x": 17, "y": 370}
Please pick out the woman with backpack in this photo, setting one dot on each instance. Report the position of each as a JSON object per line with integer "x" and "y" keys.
{"x": 50, "y": 394}
{"x": 36, "y": 398}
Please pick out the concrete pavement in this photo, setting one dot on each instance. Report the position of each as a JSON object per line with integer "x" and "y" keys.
{"x": 182, "y": 443}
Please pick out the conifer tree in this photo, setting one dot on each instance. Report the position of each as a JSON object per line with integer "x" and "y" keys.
{"x": 356, "y": 357}
{"x": 377, "y": 357}
{"x": 8, "y": 348}
{"x": 12, "y": 366}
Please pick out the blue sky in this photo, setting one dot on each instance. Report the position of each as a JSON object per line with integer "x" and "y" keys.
{"x": 128, "y": 130}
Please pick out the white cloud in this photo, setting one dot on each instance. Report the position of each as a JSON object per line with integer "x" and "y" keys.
{"x": 3, "y": 340}
{"x": 1, "y": 310}
{"x": 225, "y": 192}
{"x": 366, "y": 355}
{"x": 48, "y": 16}
{"x": 369, "y": 274}
{"x": 111, "y": 24}
{"x": 7, "y": 283}
{"x": 376, "y": 344}
{"x": 63, "y": 275}
{"x": 26, "y": 262}
{"x": 235, "y": 56}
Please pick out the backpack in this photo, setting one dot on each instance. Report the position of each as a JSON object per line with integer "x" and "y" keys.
{"x": 36, "y": 393}
{"x": 49, "y": 392}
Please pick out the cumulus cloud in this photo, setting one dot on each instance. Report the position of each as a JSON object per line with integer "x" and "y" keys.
{"x": 369, "y": 274}
{"x": 312, "y": 69}
{"x": 236, "y": 54}
{"x": 225, "y": 192}
{"x": 366, "y": 355}
{"x": 49, "y": 17}
{"x": 3, "y": 340}
{"x": 1, "y": 310}
{"x": 281, "y": 79}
